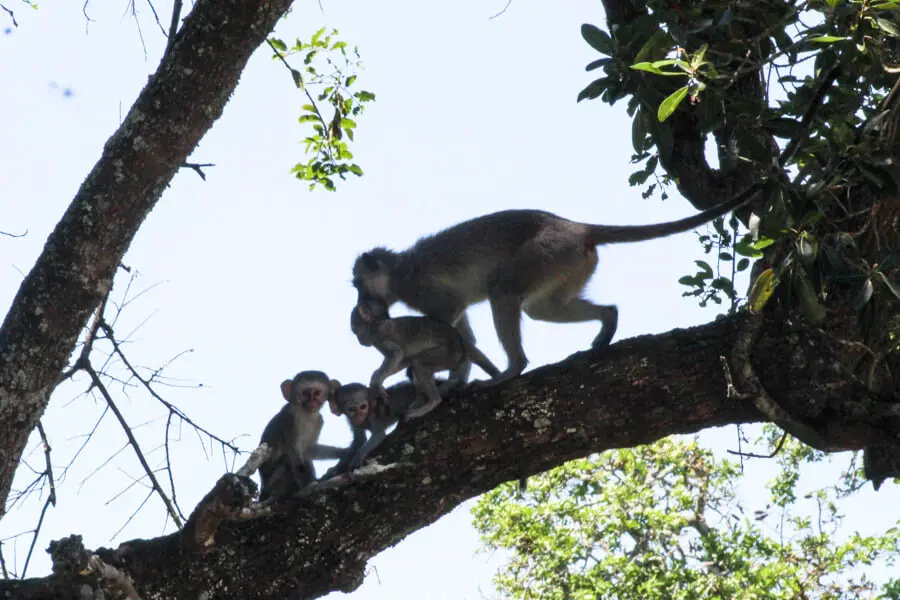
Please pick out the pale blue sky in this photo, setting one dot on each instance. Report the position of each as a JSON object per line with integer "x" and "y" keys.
{"x": 473, "y": 115}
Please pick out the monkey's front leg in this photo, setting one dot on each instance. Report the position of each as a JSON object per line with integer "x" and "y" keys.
{"x": 377, "y": 437}
{"x": 324, "y": 451}
{"x": 393, "y": 362}
{"x": 359, "y": 440}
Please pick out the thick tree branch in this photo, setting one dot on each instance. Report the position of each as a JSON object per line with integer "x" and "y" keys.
{"x": 180, "y": 103}
{"x": 634, "y": 392}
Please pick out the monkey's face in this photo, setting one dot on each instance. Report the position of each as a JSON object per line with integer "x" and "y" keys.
{"x": 357, "y": 410}
{"x": 310, "y": 395}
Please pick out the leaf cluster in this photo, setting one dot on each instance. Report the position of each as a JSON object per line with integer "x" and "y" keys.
{"x": 662, "y": 521}
{"x": 329, "y": 65}
{"x": 796, "y": 93}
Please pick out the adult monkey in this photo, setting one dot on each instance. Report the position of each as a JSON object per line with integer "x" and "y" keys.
{"x": 529, "y": 260}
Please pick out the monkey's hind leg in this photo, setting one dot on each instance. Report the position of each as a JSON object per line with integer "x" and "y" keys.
{"x": 423, "y": 379}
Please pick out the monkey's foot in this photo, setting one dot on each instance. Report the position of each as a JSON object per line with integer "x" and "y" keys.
{"x": 420, "y": 411}
{"x": 610, "y": 324}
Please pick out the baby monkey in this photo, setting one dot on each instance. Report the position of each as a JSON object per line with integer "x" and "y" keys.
{"x": 423, "y": 344}
{"x": 293, "y": 436}
{"x": 353, "y": 401}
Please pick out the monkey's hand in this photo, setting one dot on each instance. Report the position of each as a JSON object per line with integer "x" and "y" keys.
{"x": 379, "y": 395}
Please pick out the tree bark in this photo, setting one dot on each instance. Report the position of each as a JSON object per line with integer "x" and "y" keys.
{"x": 180, "y": 103}
{"x": 634, "y": 392}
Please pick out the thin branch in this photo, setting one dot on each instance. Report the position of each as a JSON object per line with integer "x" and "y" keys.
{"x": 49, "y": 471}
{"x": 117, "y": 349}
{"x": 173, "y": 26}
{"x": 15, "y": 24}
{"x": 298, "y": 81}
{"x": 6, "y": 233}
{"x": 806, "y": 121}
{"x": 753, "y": 455}
{"x": 508, "y": 2}
{"x": 34, "y": 538}
{"x": 156, "y": 16}
{"x": 98, "y": 383}
{"x": 198, "y": 168}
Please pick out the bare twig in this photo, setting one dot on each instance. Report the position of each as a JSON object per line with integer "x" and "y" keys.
{"x": 173, "y": 25}
{"x": 198, "y": 167}
{"x": 98, "y": 383}
{"x": 753, "y": 455}
{"x": 117, "y": 349}
{"x": 15, "y": 24}
{"x": 49, "y": 471}
{"x": 508, "y": 2}
{"x": 6, "y": 233}
{"x": 156, "y": 16}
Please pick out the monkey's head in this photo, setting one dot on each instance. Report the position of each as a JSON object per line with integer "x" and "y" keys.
{"x": 372, "y": 275}
{"x": 309, "y": 389}
{"x": 364, "y": 316}
{"x": 351, "y": 400}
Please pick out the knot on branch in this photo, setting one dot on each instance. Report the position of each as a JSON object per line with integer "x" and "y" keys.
{"x": 231, "y": 493}
{"x": 71, "y": 559}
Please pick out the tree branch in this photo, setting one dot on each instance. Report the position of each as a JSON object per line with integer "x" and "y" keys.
{"x": 633, "y": 392}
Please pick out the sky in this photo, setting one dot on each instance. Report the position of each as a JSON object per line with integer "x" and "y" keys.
{"x": 249, "y": 271}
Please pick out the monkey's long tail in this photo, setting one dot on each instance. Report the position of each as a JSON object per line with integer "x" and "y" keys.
{"x": 612, "y": 234}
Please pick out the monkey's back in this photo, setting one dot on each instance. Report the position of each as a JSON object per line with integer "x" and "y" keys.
{"x": 469, "y": 253}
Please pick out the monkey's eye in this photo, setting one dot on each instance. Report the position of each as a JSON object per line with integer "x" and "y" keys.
{"x": 363, "y": 406}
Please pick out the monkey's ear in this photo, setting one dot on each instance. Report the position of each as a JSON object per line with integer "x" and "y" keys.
{"x": 333, "y": 405}
{"x": 286, "y": 386}
{"x": 370, "y": 261}
{"x": 333, "y": 386}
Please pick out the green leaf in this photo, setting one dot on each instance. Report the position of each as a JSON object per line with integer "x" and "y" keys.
{"x": 594, "y": 89}
{"x": 350, "y": 81}
{"x": 707, "y": 270}
{"x": 743, "y": 264}
{"x": 597, "y": 64}
{"x": 279, "y": 44}
{"x": 827, "y": 39}
{"x": 762, "y": 290}
{"x": 646, "y": 66}
{"x": 888, "y": 27}
{"x": 697, "y": 58}
{"x": 668, "y": 106}
{"x": 356, "y": 170}
{"x": 863, "y": 294}
{"x": 598, "y": 39}
{"x": 639, "y": 131}
{"x": 891, "y": 285}
{"x": 810, "y": 306}
{"x": 348, "y": 123}
{"x": 297, "y": 77}
{"x": 316, "y": 36}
